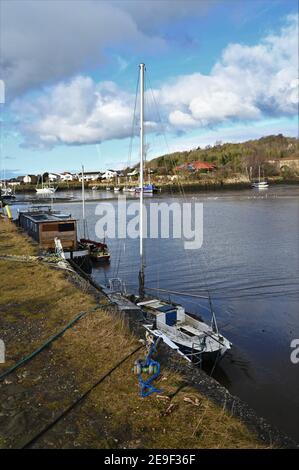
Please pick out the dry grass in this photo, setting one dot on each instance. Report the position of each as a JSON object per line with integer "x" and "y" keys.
{"x": 13, "y": 242}
{"x": 35, "y": 302}
{"x": 127, "y": 420}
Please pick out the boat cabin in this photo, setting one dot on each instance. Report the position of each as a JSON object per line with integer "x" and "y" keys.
{"x": 43, "y": 225}
{"x": 166, "y": 314}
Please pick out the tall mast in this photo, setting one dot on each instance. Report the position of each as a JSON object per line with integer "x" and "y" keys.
{"x": 83, "y": 202}
{"x": 259, "y": 173}
{"x": 141, "y": 272}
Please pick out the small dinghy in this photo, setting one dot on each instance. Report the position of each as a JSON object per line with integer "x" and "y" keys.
{"x": 98, "y": 251}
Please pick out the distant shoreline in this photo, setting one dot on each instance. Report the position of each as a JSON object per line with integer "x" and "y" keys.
{"x": 204, "y": 185}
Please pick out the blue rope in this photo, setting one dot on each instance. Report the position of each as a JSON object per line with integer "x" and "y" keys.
{"x": 146, "y": 387}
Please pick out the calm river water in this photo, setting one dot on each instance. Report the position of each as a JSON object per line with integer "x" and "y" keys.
{"x": 249, "y": 261}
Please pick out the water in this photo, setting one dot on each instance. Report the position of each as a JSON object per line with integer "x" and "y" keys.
{"x": 249, "y": 261}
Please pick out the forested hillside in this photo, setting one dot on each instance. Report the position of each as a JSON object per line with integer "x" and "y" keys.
{"x": 235, "y": 157}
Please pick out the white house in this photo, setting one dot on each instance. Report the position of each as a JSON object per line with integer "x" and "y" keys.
{"x": 27, "y": 179}
{"x": 109, "y": 174}
{"x": 13, "y": 182}
{"x": 90, "y": 175}
{"x": 54, "y": 177}
{"x": 66, "y": 176}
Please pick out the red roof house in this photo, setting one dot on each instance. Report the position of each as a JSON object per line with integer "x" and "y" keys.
{"x": 196, "y": 166}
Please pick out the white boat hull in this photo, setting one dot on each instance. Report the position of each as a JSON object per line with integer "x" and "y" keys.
{"x": 189, "y": 333}
{"x": 45, "y": 191}
{"x": 260, "y": 185}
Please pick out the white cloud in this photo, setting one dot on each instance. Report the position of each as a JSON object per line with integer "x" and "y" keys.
{"x": 77, "y": 112}
{"x": 46, "y": 41}
{"x": 248, "y": 83}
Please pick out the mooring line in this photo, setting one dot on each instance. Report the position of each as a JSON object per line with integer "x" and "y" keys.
{"x": 30, "y": 356}
{"x": 79, "y": 400}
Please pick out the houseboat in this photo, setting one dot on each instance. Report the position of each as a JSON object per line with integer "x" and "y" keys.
{"x": 46, "y": 226}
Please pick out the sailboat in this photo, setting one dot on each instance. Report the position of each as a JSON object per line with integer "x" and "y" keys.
{"x": 6, "y": 193}
{"x": 148, "y": 188}
{"x": 98, "y": 251}
{"x": 128, "y": 189}
{"x": 45, "y": 188}
{"x": 168, "y": 320}
{"x": 117, "y": 188}
{"x": 260, "y": 184}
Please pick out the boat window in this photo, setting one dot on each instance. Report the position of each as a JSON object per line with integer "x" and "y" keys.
{"x": 49, "y": 227}
{"x": 66, "y": 227}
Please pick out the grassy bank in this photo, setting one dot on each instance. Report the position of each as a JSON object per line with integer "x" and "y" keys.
{"x": 37, "y": 300}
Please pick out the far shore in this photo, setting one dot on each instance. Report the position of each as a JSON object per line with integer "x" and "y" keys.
{"x": 208, "y": 184}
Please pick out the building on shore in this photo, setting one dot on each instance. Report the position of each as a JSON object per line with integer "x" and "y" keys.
{"x": 291, "y": 162}
{"x": 196, "y": 166}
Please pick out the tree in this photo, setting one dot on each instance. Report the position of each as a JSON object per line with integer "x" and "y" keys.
{"x": 45, "y": 177}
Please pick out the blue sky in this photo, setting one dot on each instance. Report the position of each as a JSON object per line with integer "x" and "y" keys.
{"x": 219, "y": 70}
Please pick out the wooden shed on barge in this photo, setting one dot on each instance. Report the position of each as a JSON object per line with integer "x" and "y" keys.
{"x": 44, "y": 224}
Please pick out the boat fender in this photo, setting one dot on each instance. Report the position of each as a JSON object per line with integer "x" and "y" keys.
{"x": 8, "y": 212}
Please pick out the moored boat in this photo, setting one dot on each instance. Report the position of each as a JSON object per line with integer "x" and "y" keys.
{"x": 7, "y": 193}
{"x": 260, "y": 184}
{"x": 98, "y": 251}
{"x": 148, "y": 188}
{"x": 198, "y": 340}
{"x": 170, "y": 321}
{"x": 45, "y": 189}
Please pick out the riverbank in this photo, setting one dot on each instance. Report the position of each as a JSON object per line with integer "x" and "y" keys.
{"x": 203, "y": 184}
{"x": 37, "y": 300}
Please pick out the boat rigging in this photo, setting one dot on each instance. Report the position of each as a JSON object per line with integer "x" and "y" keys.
{"x": 98, "y": 251}
{"x": 168, "y": 320}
